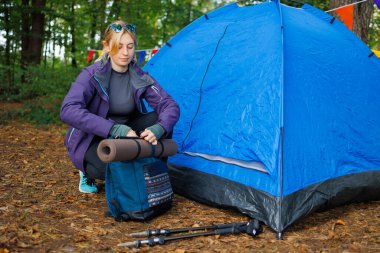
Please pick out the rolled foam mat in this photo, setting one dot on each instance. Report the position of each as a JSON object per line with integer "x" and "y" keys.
{"x": 110, "y": 150}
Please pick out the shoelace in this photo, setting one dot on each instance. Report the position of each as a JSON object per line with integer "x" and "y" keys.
{"x": 90, "y": 181}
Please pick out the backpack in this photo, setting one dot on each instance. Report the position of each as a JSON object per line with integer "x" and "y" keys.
{"x": 138, "y": 189}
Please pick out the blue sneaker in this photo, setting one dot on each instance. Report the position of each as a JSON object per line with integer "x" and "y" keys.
{"x": 86, "y": 185}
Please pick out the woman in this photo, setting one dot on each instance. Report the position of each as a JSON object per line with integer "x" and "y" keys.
{"x": 106, "y": 101}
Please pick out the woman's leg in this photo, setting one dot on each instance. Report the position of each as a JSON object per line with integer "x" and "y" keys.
{"x": 142, "y": 121}
{"x": 138, "y": 122}
{"x": 94, "y": 167}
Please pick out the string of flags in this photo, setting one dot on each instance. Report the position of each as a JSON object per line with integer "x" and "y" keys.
{"x": 141, "y": 55}
{"x": 346, "y": 13}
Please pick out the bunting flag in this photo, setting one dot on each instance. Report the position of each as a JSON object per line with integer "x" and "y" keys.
{"x": 90, "y": 55}
{"x": 141, "y": 57}
{"x": 347, "y": 15}
{"x": 377, "y": 52}
{"x": 377, "y": 2}
{"x": 142, "y": 54}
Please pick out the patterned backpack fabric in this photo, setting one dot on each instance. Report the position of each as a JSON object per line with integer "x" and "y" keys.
{"x": 138, "y": 189}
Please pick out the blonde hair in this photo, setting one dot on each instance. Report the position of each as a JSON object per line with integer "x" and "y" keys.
{"x": 112, "y": 39}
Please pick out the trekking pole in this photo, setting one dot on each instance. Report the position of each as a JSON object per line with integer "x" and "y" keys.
{"x": 166, "y": 232}
{"x": 252, "y": 228}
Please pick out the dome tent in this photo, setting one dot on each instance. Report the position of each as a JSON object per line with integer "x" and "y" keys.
{"x": 279, "y": 111}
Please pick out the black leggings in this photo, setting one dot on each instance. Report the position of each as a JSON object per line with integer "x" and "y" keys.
{"x": 94, "y": 167}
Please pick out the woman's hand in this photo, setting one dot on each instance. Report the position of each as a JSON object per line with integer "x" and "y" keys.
{"x": 131, "y": 133}
{"x": 149, "y": 136}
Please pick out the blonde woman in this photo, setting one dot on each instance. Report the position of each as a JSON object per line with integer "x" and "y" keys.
{"x": 106, "y": 101}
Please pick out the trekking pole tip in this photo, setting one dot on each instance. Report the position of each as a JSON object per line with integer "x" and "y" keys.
{"x": 134, "y": 244}
{"x": 139, "y": 234}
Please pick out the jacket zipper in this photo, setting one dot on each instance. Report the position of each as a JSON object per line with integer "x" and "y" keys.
{"x": 71, "y": 133}
{"x": 101, "y": 86}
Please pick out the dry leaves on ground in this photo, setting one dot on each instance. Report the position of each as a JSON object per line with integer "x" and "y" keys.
{"x": 42, "y": 210}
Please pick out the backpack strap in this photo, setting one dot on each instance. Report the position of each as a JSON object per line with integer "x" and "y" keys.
{"x": 153, "y": 150}
{"x": 120, "y": 215}
{"x": 138, "y": 149}
{"x": 162, "y": 148}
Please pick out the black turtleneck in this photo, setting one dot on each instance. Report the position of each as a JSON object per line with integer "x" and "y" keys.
{"x": 120, "y": 95}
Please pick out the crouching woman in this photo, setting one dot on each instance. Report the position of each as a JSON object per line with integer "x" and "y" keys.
{"x": 106, "y": 100}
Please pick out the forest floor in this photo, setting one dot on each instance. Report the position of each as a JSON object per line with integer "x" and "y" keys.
{"x": 41, "y": 210}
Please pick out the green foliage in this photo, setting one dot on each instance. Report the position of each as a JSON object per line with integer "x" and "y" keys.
{"x": 50, "y": 82}
{"x": 41, "y": 82}
{"x": 9, "y": 114}
{"x": 73, "y": 27}
{"x": 42, "y": 95}
{"x": 43, "y": 111}
{"x": 374, "y": 31}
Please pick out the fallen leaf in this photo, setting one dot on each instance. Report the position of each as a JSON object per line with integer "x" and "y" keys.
{"x": 340, "y": 222}
{"x": 22, "y": 245}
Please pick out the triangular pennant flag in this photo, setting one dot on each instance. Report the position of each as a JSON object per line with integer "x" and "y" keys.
{"x": 141, "y": 57}
{"x": 100, "y": 52}
{"x": 377, "y": 2}
{"x": 90, "y": 55}
{"x": 154, "y": 51}
{"x": 377, "y": 52}
{"x": 347, "y": 15}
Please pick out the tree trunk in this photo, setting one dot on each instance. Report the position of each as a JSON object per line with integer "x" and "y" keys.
{"x": 72, "y": 31}
{"x": 37, "y": 32}
{"x": 25, "y": 32}
{"x": 102, "y": 16}
{"x": 93, "y": 24}
{"x": 362, "y": 16}
{"x": 47, "y": 50}
{"x": 54, "y": 43}
{"x": 8, "y": 72}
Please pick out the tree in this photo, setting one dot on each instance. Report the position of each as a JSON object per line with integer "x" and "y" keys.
{"x": 72, "y": 32}
{"x": 8, "y": 73}
{"x": 33, "y": 21}
{"x": 362, "y": 16}
{"x": 37, "y": 31}
{"x": 32, "y": 27}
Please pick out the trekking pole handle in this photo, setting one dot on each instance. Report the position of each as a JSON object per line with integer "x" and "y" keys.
{"x": 253, "y": 228}
{"x": 149, "y": 232}
{"x": 225, "y": 231}
{"x": 150, "y": 241}
{"x": 229, "y": 225}
{"x": 155, "y": 232}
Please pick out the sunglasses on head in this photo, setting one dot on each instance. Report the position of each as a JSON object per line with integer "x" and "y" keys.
{"x": 118, "y": 27}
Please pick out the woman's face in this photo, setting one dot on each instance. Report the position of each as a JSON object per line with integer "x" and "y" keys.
{"x": 125, "y": 53}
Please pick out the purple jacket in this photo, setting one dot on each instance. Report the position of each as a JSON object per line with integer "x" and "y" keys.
{"x": 86, "y": 106}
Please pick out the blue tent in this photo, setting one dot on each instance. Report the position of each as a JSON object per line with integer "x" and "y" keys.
{"x": 280, "y": 111}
